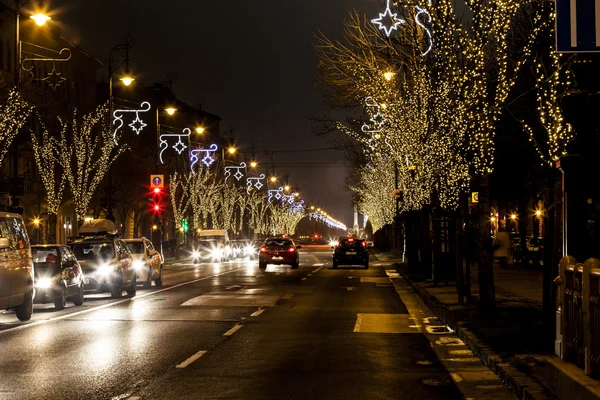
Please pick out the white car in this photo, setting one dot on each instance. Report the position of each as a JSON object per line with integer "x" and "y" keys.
{"x": 146, "y": 261}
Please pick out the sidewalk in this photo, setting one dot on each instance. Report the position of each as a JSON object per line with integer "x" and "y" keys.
{"x": 507, "y": 342}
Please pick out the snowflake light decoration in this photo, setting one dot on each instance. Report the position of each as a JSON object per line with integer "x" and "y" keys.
{"x": 207, "y": 160}
{"x": 238, "y": 171}
{"x": 137, "y": 125}
{"x": 388, "y": 16}
{"x": 254, "y": 182}
{"x": 179, "y": 146}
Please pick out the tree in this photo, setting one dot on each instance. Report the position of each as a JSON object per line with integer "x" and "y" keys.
{"x": 14, "y": 111}
{"x": 86, "y": 150}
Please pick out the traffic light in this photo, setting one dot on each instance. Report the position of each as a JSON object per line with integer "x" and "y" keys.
{"x": 157, "y": 201}
{"x": 185, "y": 225}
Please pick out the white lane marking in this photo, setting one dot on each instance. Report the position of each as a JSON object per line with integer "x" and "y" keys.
{"x": 232, "y": 287}
{"x": 303, "y": 279}
{"x": 318, "y": 265}
{"x": 134, "y": 398}
{"x": 288, "y": 295}
{"x": 257, "y": 313}
{"x": 45, "y": 321}
{"x": 232, "y": 330}
{"x": 191, "y": 359}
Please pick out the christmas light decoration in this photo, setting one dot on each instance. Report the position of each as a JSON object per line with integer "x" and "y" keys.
{"x": 47, "y": 162}
{"x": 238, "y": 171}
{"x": 391, "y": 17}
{"x": 14, "y": 111}
{"x": 207, "y": 156}
{"x": 137, "y": 125}
{"x": 179, "y": 194}
{"x": 275, "y": 194}
{"x": 254, "y": 182}
{"x": 423, "y": 17}
{"x": 86, "y": 149}
{"x": 179, "y": 146}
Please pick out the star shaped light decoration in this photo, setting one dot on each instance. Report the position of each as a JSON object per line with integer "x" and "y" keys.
{"x": 238, "y": 175}
{"x": 54, "y": 78}
{"x": 208, "y": 160}
{"x": 137, "y": 125}
{"x": 179, "y": 147}
{"x": 388, "y": 16}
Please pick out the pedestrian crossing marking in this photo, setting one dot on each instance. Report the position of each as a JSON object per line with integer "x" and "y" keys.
{"x": 384, "y": 323}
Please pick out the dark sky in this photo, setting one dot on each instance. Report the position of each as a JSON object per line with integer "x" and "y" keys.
{"x": 250, "y": 62}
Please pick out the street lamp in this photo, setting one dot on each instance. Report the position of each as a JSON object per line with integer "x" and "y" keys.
{"x": 170, "y": 110}
{"x": 286, "y": 188}
{"x": 40, "y": 18}
{"x": 273, "y": 179}
{"x": 200, "y": 130}
{"x": 253, "y": 164}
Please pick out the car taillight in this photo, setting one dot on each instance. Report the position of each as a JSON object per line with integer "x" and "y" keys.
{"x": 291, "y": 249}
{"x": 351, "y": 240}
{"x": 364, "y": 244}
{"x": 263, "y": 249}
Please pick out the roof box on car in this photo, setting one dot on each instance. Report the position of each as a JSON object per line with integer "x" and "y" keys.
{"x": 98, "y": 227}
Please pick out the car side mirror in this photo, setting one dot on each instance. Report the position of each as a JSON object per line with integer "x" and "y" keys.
{"x": 4, "y": 243}
{"x": 298, "y": 247}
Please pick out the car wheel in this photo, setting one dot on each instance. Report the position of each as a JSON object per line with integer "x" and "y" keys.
{"x": 158, "y": 281}
{"x": 116, "y": 288}
{"x": 334, "y": 266}
{"x": 78, "y": 300}
{"x": 25, "y": 310}
{"x": 295, "y": 265}
{"x": 148, "y": 282}
{"x": 60, "y": 301}
{"x": 367, "y": 265}
{"x": 131, "y": 290}
{"x": 262, "y": 265}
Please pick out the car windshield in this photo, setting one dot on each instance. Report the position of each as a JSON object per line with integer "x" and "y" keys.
{"x": 212, "y": 237}
{"x": 210, "y": 243}
{"x": 44, "y": 255}
{"x": 136, "y": 247}
{"x": 278, "y": 242}
{"x": 94, "y": 250}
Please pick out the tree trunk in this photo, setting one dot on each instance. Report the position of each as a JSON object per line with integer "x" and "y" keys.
{"x": 485, "y": 265}
{"x": 51, "y": 228}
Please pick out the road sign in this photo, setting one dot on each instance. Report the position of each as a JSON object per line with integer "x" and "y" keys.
{"x": 474, "y": 197}
{"x": 157, "y": 181}
{"x": 577, "y": 26}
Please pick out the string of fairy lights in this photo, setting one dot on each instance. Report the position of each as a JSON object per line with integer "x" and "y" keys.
{"x": 433, "y": 90}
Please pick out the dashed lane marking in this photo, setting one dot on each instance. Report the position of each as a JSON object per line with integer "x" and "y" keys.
{"x": 257, "y": 313}
{"x": 288, "y": 296}
{"x": 233, "y": 330}
{"x": 303, "y": 279}
{"x": 191, "y": 359}
{"x": 67, "y": 316}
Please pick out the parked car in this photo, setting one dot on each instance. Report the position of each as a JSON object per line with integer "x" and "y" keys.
{"x": 105, "y": 259}
{"x": 146, "y": 261}
{"x": 350, "y": 251}
{"x": 16, "y": 266}
{"x": 535, "y": 251}
{"x": 58, "y": 276}
{"x": 279, "y": 251}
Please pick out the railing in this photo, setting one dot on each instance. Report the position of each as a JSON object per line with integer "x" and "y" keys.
{"x": 579, "y": 306}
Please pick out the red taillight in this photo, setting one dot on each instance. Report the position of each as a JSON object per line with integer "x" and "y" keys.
{"x": 291, "y": 249}
{"x": 263, "y": 249}
{"x": 364, "y": 244}
{"x": 351, "y": 240}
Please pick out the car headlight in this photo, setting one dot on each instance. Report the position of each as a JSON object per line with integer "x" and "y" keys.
{"x": 333, "y": 243}
{"x": 44, "y": 283}
{"x": 138, "y": 265}
{"x": 195, "y": 254}
{"x": 249, "y": 250}
{"x": 216, "y": 253}
{"x": 104, "y": 270}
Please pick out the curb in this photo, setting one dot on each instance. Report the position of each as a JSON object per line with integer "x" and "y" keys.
{"x": 523, "y": 386}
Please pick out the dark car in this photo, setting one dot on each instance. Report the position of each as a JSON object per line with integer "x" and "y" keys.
{"x": 243, "y": 248}
{"x": 350, "y": 251}
{"x": 58, "y": 276}
{"x": 279, "y": 251}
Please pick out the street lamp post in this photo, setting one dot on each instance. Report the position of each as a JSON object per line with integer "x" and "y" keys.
{"x": 123, "y": 48}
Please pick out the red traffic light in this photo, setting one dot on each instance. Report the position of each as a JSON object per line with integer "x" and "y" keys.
{"x": 157, "y": 190}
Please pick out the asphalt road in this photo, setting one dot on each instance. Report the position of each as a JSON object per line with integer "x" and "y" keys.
{"x": 232, "y": 331}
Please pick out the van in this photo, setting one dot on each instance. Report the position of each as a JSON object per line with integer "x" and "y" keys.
{"x": 213, "y": 244}
{"x": 16, "y": 266}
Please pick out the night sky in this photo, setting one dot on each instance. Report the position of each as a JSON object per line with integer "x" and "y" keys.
{"x": 250, "y": 62}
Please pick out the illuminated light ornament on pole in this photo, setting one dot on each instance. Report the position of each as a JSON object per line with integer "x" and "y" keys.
{"x": 179, "y": 146}
{"x": 392, "y": 17}
{"x": 275, "y": 193}
{"x": 238, "y": 171}
{"x": 207, "y": 159}
{"x": 137, "y": 125}
{"x": 254, "y": 182}
{"x": 422, "y": 12}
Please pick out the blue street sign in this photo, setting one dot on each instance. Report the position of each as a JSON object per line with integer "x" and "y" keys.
{"x": 577, "y": 26}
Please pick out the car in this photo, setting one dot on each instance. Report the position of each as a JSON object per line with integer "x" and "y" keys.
{"x": 350, "y": 251}
{"x": 146, "y": 261}
{"x": 16, "y": 266}
{"x": 212, "y": 244}
{"x": 105, "y": 259}
{"x": 58, "y": 276}
{"x": 279, "y": 251}
{"x": 243, "y": 249}
{"x": 535, "y": 251}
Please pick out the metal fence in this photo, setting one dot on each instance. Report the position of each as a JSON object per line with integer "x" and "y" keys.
{"x": 579, "y": 306}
